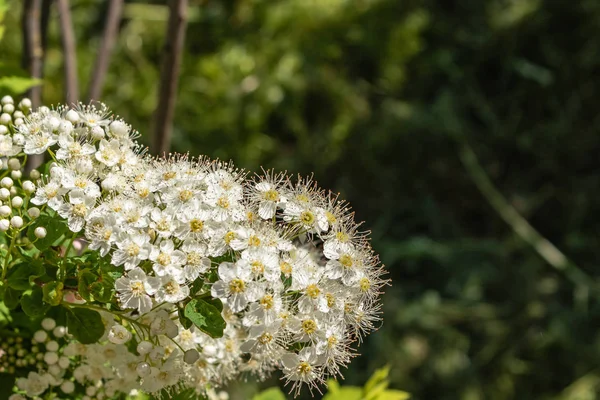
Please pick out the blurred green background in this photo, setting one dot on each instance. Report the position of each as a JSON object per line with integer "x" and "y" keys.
{"x": 384, "y": 100}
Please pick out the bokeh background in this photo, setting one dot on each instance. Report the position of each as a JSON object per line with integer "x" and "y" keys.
{"x": 442, "y": 122}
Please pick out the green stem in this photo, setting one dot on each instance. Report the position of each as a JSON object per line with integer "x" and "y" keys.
{"x": 13, "y": 242}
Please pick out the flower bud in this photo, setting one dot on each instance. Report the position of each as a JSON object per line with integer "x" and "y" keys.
{"x": 14, "y": 163}
{"x": 35, "y": 174}
{"x": 4, "y": 194}
{"x": 52, "y": 345}
{"x": 5, "y": 119}
{"x": 4, "y": 225}
{"x": 16, "y": 174}
{"x": 6, "y": 182}
{"x": 18, "y": 121}
{"x": 50, "y": 358}
{"x": 5, "y": 211}
{"x": 143, "y": 369}
{"x": 67, "y": 387}
{"x": 72, "y": 116}
{"x": 66, "y": 127}
{"x": 3, "y": 130}
{"x": 18, "y": 139}
{"x": 25, "y": 104}
{"x": 8, "y": 108}
{"x": 97, "y": 133}
{"x": 144, "y": 347}
{"x": 191, "y": 356}
{"x": 7, "y": 100}
{"x": 17, "y": 201}
{"x": 33, "y": 212}
{"x": 28, "y": 187}
{"x": 16, "y": 222}
{"x": 13, "y": 191}
{"x": 119, "y": 128}
{"x": 40, "y": 233}
{"x": 18, "y": 114}
{"x": 40, "y": 336}
{"x": 48, "y": 323}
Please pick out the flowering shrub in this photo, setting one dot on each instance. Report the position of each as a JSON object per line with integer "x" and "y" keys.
{"x": 124, "y": 272}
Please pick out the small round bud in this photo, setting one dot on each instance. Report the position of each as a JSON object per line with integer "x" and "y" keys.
{"x": 33, "y": 212}
{"x": 97, "y": 133}
{"x": 191, "y": 356}
{"x": 4, "y": 225}
{"x": 72, "y": 116}
{"x": 18, "y": 114}
{"x": 40, "y": 233}
{"x": 51, "y": 358}
{"x": 18, "y": 121}
{"x": 172, "y": 331}
{"x": 16, "y": 222}
{"x": 40, "y": 336}
{"x": 54, "y": 370}
{"x": 143, "y": 369}
{"x": 43, "y": 109}
{"x": 35, "y": 174}
{"x": 7, "y": 100}
{"x": 52, "y": 346}
{"x": 4, "y": 194}
{"x": 5, "y": 211}
{"x": 29, "y": 187}
{"x": 64, "y": 362}
{"x": 48, "y": 323}
{"x": 67, "y": 387}
{"x": 6, "y": 182}
{"x": 91, "y": 391}
{"x": 14, "y": 163}
{"x": 17, "y": 202}
{"x": 25, "y": 104}
{"x": 18, "y": 139}
{"x": 8, "y": 108}
{"x": 59, "y": 331}
{"x": 5, "y": 119}
{"x": 16, "y": 174}
{"x": 13, "y": 191}
{"x": 66, "y": 127}
{"x": 144, "y": 347}
{"x": 3, "y": 130}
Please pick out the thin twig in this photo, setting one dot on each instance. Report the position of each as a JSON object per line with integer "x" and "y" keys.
{"x": 111, "y": 28}
{"x": 69, "y": 52}
{"x": 172, "y": 55}
{"x": 33, "y": 54}
{"x": 550, "y": 253}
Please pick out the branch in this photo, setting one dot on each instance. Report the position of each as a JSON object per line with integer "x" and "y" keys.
{"x": 550, "y": 253}
{"x": 33, "y": 57}
{"x": 69, "y": 52}
{"x": 111, "y": 28}
{"x": 172, "y": 55}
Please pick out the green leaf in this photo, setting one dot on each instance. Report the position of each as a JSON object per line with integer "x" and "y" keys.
{"x": 55, "y": 228}
{"x": 21, "y": 275}
{"x": 206, "y": 316}
{"x": 86, "y": 278}
{"x": 85, "y": 325}
{"x": 378, "y": 377}
{"x": 32, "y": 302}
{"x": 270, "y": 394}
{"x": 392, "y": 394}
{"x": 53, "y": 293}
{"x": 12, "y": 298}
{"x": 18, "y": 84}
{"x": 187, "y": 324}
{"x": 346, "y": 393}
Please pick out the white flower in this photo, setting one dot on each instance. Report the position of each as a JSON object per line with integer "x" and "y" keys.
{"x": 171, "y": 291}
{"x": 34, "y": 385}
{"x": 168, "y": 261}
{"x": 132, "y": 250}
{"x": 235, "y": 286}
{"x": 304, "y": 367}
{"x": 118, "y": 334}
{"x": 77, "y": 209}
{"x": 134, "y": 290}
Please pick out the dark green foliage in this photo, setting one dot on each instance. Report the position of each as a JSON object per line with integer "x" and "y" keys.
{"x": 85, "y": 325}
{"x": 206, "y": 315}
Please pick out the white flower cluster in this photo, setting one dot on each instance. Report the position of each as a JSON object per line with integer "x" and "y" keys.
{"x": 298, "y": 281}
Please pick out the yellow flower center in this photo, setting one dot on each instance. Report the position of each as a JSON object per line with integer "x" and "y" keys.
{"x": 309, "y": 326}
{"x": 137, "y": 288}
{"x": 304, "y": 368}
{"x": 267, "y": 301}
{"x": 285, "y": 267}
{"x": 257, "y": 267}
{"x": 313, "y": 291}
{"x": 307, "y": 218}
{"x": 79, "y": 210}
{"x": 196, "y": 225}
{"x": 163, "y": 259}
{"x": 229, "y": 236}
{"x": 223, "y": 202}
{"x": 133, "y": 250}
{"x": 237, "y": 286}
{"x": 253, "y": 241}
{"x": 365, "y": 284}
{"x": 169, "y": 175}
{"x": 346, "y": 260}
{"x": 271, "y": 195}
{"x": 185, "y": 195}
{"x": 265, "y": 338}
